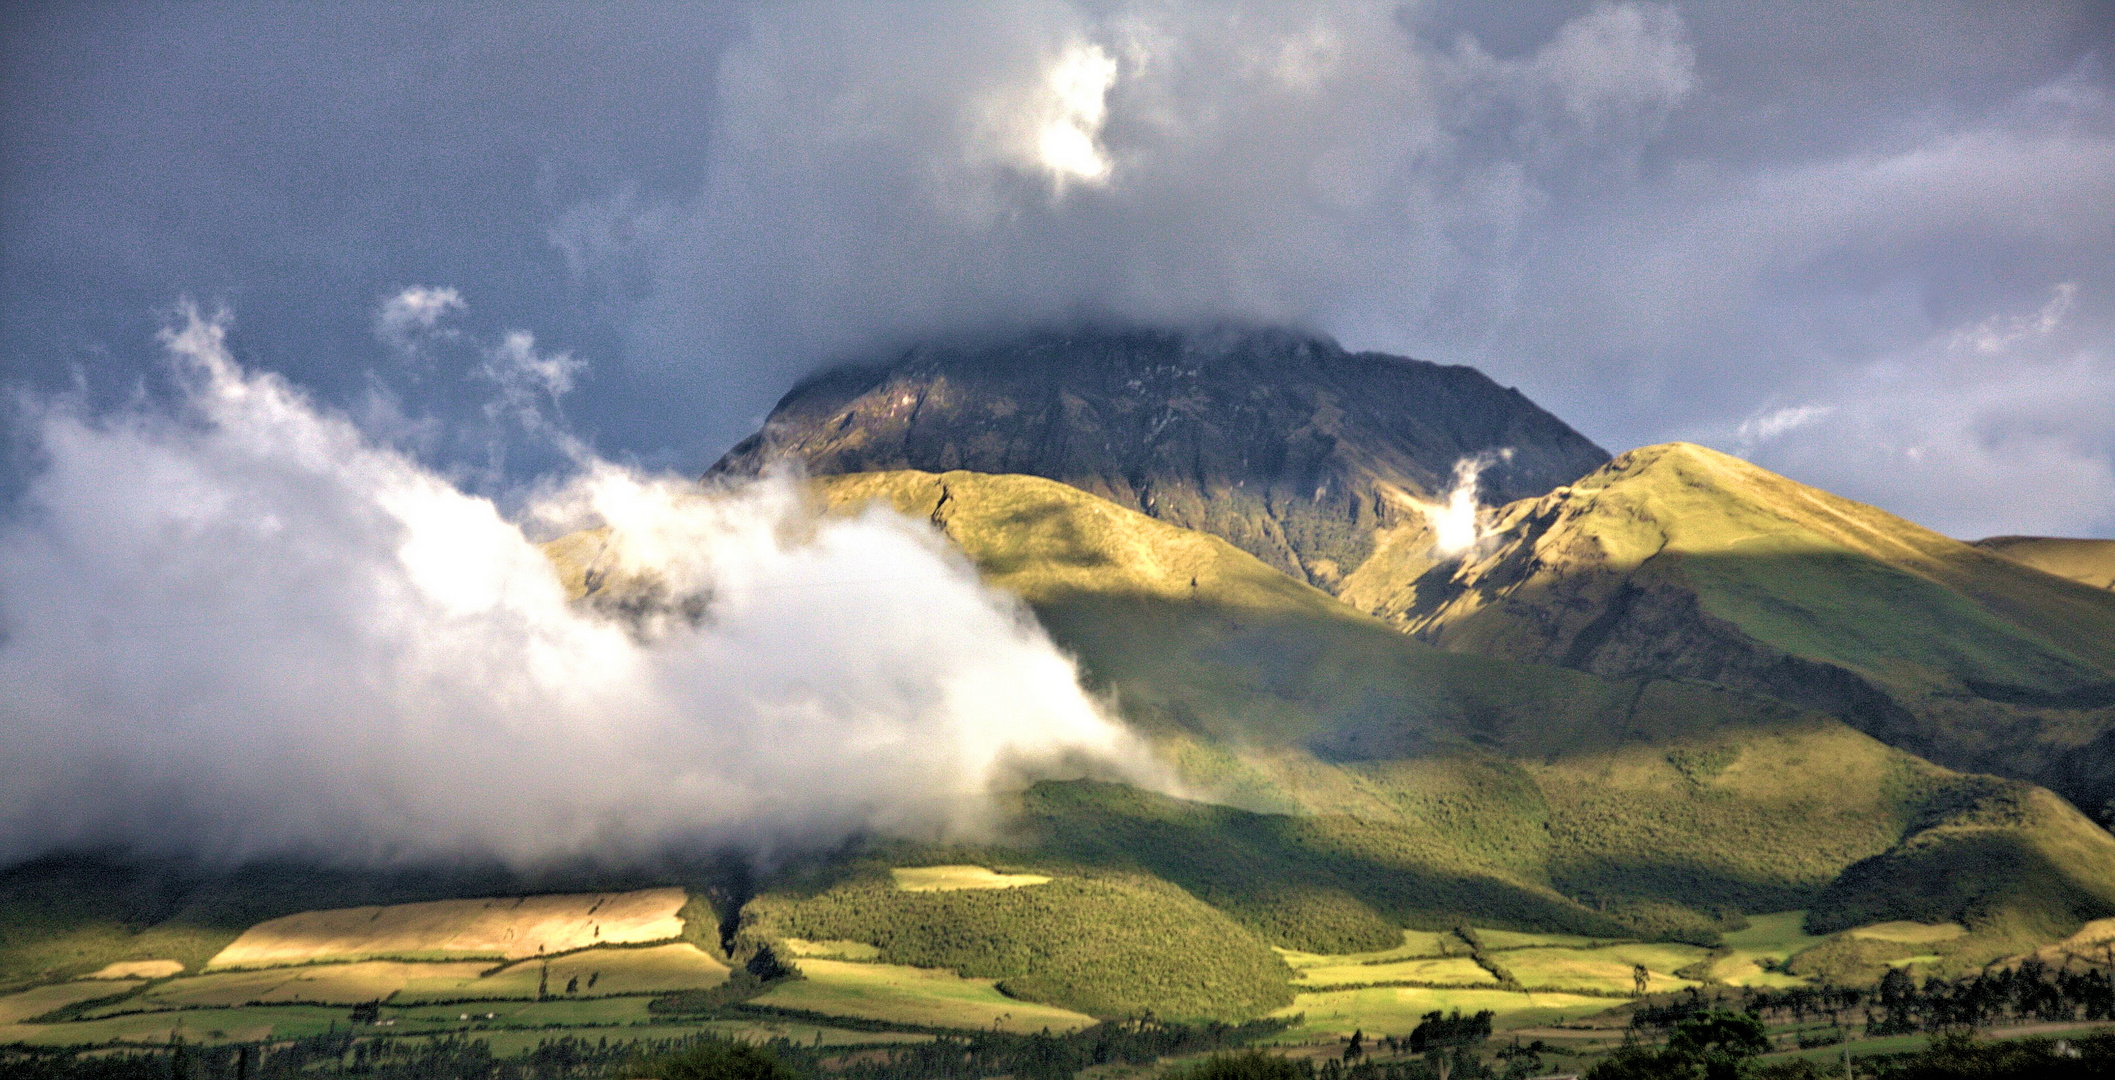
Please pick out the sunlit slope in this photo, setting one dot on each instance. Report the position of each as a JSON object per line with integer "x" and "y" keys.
{"x": 2088, "y": 562}
{"x": 1408, "y": 786}
{"x": 1196, "y": 637}
{"x": 1678, "y": 561}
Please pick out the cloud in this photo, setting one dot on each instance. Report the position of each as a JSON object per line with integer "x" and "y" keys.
{"x": 946, "y": 167}
{"x": 241, "y": 628}
{"x": 403, "y": 321}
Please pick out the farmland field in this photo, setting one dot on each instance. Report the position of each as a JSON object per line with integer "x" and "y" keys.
{"x": 17, "y": 1007}
{"x": 503, "y": 927}
{"x": 1416, "y": 944}
{"x": 918, "y": 996}
{"x": 1606, "y": 969}
{"x": 1453, "y": 970}
{"x": 831, "y": 950}
{"x": 950, "y": 878}
{"x": 139, "y": 969}
{"x": 1396, "y": 1010}
{"x": 1909, "y": 933}
{"x": 1495, "y": 940}
{"x": 592, "y": 973}
{"x": 195, "y": 1025}
{"x": 1775, "y": 937}
{"x": 322, "y": 984}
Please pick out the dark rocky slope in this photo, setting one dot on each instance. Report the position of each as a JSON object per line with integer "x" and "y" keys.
{"x": 1282, "y": 443}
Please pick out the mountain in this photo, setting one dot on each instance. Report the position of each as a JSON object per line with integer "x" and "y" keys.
{"x": 1416, "y": 785}
{"x": 1285, "y": 444}
{"x": 1680, "y": 562}
{"x": 2089, "y": 562}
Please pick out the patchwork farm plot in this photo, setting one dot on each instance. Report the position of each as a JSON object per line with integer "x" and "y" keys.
{"x": 516, "y": 970}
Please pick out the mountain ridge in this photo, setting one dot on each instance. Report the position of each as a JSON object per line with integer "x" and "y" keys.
{"x": 1283, "y": 443}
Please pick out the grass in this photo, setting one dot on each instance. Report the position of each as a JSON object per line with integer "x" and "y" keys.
{"x": 1754, "y": 956}
{"x": 605, "y": 972}
{"x": 1499, "y": 940}
{"x": 1909, "y": 933}
{"x": 138, "y": 969}
{"x": 919, "y": 996}
{"x": 2088, "y": 562}
{"x": 829, "y": 950}
{"x": 1607, "y": 969}
{"x": 1449, "y": 971}
{"x": 950, "y": 878}
{"x": 1397, "y": 1010}
{"x": 25, "y": 1004}
{"x": 322, "y": 984}
{"x": 1417, "y": 944}
{"x": 195, "y": 1025}
{"x": 510, "y": 927}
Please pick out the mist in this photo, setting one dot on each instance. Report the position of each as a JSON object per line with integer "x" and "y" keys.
{"x": 236, "y": 625}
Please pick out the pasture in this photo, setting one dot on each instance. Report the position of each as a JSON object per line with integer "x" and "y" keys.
{"x": 1417, "y": 944}
{"x": 1446, "y": 971}
{"x": 510, "y": 928}
{"x": 1607, "y": 969}
{"x": 951, "y": 878}
{"x": 20, "y": 1006}
{"x": 319, "y": 984}
{"x": 830, "y": 950}
{"x": 592, "y": 973}
{"x": 1500, "y": 940}
{"x": 1396, "y": 1010}
{"x": 922, "y": 997}
{"x": 138, "y": 969}
{"x": 1909, "y": 933}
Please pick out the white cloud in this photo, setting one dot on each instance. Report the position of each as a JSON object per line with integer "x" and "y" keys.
{"x": 245, "y": 629}
{"x": 403, "y": 320}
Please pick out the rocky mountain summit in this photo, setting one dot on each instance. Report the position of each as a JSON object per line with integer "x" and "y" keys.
{"x": 1283, "y": 443}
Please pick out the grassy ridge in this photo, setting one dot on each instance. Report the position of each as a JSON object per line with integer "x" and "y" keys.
{"x": 1107, "y": 945}
{"x": 1386, "y": 783}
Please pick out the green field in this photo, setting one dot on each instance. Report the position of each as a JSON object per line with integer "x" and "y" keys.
{"x": 1754, "y": 955}
{"x": 947, "y": 878}
{"x": 1607, "y": 969}
{"x": 1498, "y": 940}
{"x": 20, "y": 1006}
{"x": 196, "y": 1025}
{"x": 319, "y": 984}
{"x": 916, "y": 996}
{"x": 1417, "y": 945}
{"x": 1396, "y": 1010}
{"x": 591, "y": 973}
{"x": 1444, "y": 971}
{"x": 1909, "y": 933}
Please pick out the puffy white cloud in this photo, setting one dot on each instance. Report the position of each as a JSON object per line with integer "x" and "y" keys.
{"x": 243, "y": 628}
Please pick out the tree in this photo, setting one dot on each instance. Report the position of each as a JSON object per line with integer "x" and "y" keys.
{"x": 715, "y": 1059}
{"x": 1720, "y": 1041}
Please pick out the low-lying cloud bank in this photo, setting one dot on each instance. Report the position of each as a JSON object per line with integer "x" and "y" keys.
{"x": 241, "y": 627}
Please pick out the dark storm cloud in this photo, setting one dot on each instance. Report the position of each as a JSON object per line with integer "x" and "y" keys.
{"x": 1870, "y": 246}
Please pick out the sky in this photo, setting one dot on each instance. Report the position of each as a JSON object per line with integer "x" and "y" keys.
{"x": 1869, "y": 246}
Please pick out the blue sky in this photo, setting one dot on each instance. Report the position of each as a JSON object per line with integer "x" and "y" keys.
{"x": 1871, "y": 248}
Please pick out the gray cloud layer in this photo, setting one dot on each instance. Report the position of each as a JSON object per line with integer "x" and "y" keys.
{"x": 1873, "y": 247}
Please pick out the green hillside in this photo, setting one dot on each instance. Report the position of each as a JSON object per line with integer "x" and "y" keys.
{"x": 1677, "y": 561}
{"x": 1376, "y": 782}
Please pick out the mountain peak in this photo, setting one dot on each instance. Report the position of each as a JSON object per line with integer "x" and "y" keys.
{"x": 1278, "y": 440}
